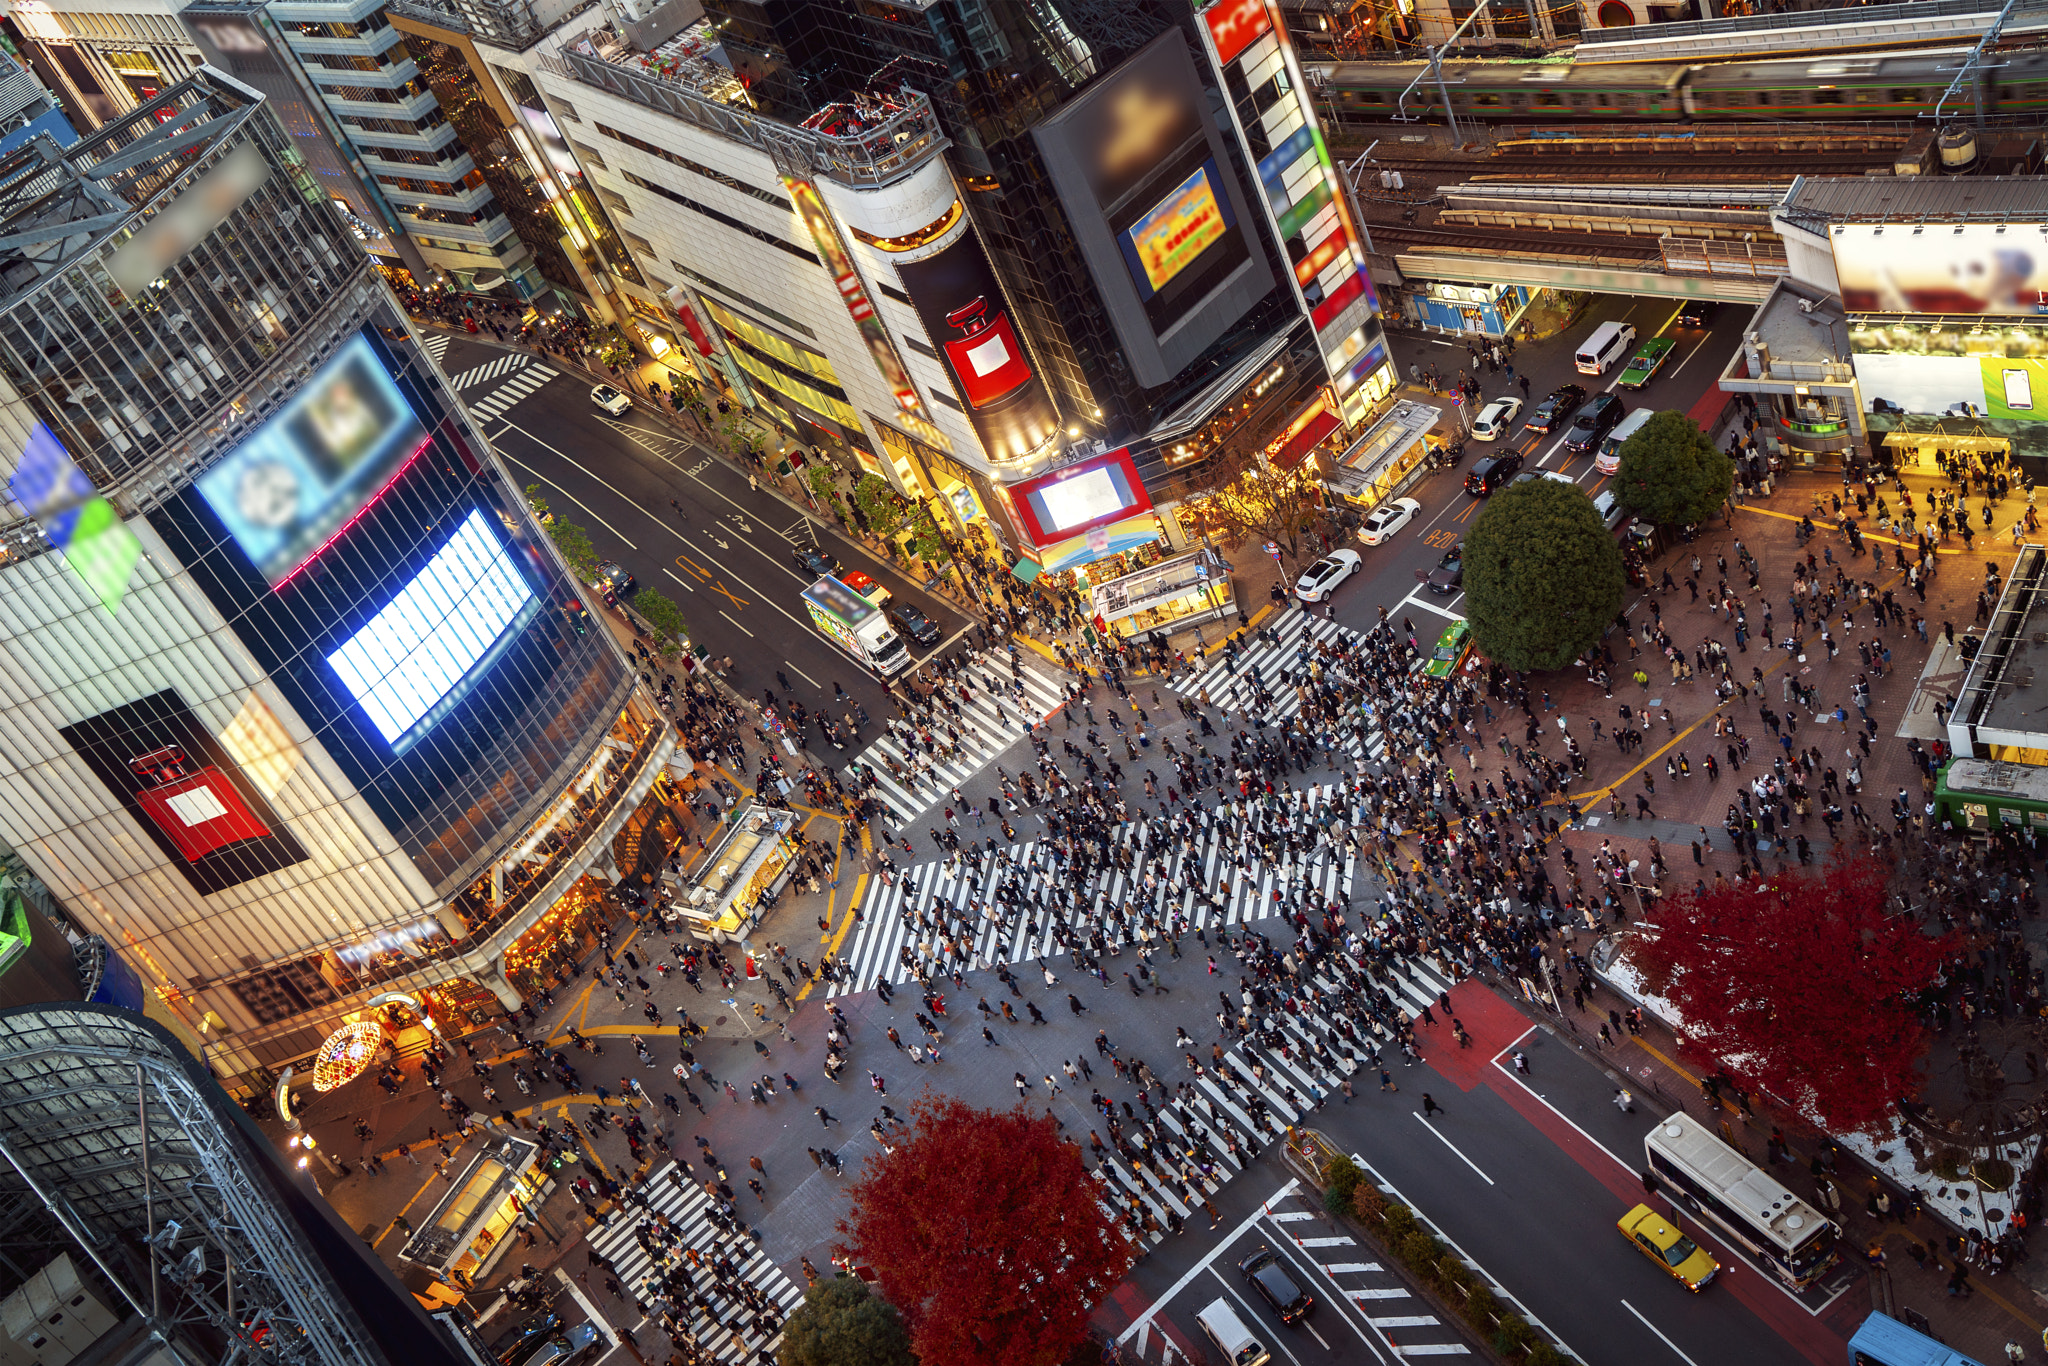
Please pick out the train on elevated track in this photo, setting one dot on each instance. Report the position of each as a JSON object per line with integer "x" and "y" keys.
{"x": 1890, "y": 87}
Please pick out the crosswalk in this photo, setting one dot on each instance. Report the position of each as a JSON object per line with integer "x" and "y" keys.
{"x": 505, "y": 364}
{"x": 888, "y": 941}
{"x": 911, "y": 779}
{"x": 1297, "y": 634}
{"x": 435, "y": 344}
{"x": 1382, "y": 1298}
{"x": 717, "y": 1329}
{"x": 508, "y": 394}
{"x": 1213, "y": 1123}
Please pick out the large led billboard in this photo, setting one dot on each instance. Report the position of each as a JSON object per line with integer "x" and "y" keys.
{"x": 406, "y": 666}
{"x": 306, "y": 473}
{"x": 1173, "y": 235}
{"x": 961, "y": 305}
{"x": 1079, "y": 498}
{"x": 1941, "y": 267}
{"x": 1145, "y": 181}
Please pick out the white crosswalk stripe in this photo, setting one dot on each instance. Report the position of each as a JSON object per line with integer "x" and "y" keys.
{"x": 503, "y": 365}
{"x": 1265, "y": 667}
{"x": 1246, "y": 887}
{"x": 435, "y": 344}
{"x": 687, "y": 1207}
{"x": 992, "y": 720}
{"x": 506, "y": 395}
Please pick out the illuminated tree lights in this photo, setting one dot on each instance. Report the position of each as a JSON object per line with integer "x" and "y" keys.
{"x": 347, "y": 1054}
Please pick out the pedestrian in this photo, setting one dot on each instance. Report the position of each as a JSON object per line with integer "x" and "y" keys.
{"x": 1522, "y": 1062}
{"x": 1429, "y": 1106}
{"x": 825, "y": 1117}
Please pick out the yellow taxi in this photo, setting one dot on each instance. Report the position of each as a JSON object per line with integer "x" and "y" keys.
{"x": 1661, "y": 1241}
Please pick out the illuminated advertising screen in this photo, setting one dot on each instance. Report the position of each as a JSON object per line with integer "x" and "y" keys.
{"x": 1069, "y": 502}
{"x": 1173, "y": 235}
{"x": 552, "y": 144}
{"x": 961, "y": 306}
{"x": 310, "y": 470}
{"x": 189, "y": 795}
{"x": 1948, "y": 268}
{"x": 407, "y": 664}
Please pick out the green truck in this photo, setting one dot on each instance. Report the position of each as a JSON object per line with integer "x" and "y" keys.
{"x": 1647, "y": 361}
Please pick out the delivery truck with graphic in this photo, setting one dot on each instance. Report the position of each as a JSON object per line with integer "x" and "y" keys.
{"x": 857, "y": 626}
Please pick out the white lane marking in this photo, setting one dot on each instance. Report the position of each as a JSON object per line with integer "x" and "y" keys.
{"x": 1340, "y": 1268}
{"x": 1404, "y": 1321}
{"x": 1166, "y": 1296}
{"x": 1426, "y": 605}
{"x": 1452, "y": 1146}
{"x": 750, "y": 635}
{"x": 1324, "y": 1242}
{"x": 570, "y": 496}
{"x": 1390, "y": 1293}
{"x": 1660, "y": 1334}
{"x": 1292, "y": 1216}
{"x": 801, "y": 674}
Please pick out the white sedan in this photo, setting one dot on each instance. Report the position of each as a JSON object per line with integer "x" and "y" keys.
{"x": 1495, "y": 418}
{"x": 610, "y": 399}
{"x": 1325, "y": 574}
{"x": 1386, "y": 519}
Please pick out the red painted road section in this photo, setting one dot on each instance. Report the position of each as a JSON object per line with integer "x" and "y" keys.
{"x": 1492, "y": 1023}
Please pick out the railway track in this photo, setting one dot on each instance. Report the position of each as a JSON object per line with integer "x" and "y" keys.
{"x": 1781, "y": 166}
{"x": 1494, "y": 239}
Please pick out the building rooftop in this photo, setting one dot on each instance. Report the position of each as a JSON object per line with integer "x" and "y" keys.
{"x": 1997, "y": 701}
{"x": 1798, "y": 334}
{"x": 1872, "y": 199}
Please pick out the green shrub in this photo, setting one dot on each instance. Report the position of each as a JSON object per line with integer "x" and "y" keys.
{"x": 1369, "y": 1205}
{"x": 1342, "y": 1176}
{"x": 1334, "y": 1201}
{"x": 1400, "y": 1221}
{"x": 1543, "y": 1354}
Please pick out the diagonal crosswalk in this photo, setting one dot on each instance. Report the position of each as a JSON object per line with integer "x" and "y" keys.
{"x": 976, "y": 911}
{"x": 503, "y": 365}
{"x": 1300, "y": 640}
{"x": 915, "y": 767}
{"x": 721, "y": 1327}
{"x": 435, "y": 344}
{"x": 507, "y": 395}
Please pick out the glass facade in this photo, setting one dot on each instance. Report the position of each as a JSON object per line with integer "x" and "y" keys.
{"x": 516, "y": 725}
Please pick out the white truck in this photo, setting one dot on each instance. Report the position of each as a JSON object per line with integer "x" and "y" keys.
{"x": 856, "y": 626}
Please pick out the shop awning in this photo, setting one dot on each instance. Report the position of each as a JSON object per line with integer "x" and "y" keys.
{"x": 1955, "y": 441}
{"x": 1026, "y": 570}
{"x": 1305, "y": 439}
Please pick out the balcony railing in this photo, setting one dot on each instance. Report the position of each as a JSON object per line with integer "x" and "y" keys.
{"x": 865, "y": 145}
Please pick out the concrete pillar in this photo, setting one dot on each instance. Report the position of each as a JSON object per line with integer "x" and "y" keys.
{"x": 493, "y": 979}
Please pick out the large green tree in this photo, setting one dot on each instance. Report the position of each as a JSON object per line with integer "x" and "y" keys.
{"x": 665, "y": 617}
{"x": 1543, "y": 576}
{"x": 1671, "y": 474}
{"x": 843, "y": 1323}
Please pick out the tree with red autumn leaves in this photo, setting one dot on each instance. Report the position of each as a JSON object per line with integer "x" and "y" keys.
{"x": 986, "y": 1232}
{"x": 1799, "y": 985}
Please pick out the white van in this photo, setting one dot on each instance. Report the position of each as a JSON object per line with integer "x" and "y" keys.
{"x": 1231, "y": 1337}
{"x": 1608, "y": 344}
{"x": 1609, "y": 459}
{"x": 1612, "y": 513}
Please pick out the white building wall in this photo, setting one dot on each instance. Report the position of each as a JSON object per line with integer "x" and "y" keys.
{"x": 63, "y": 659}
{"x": 743, "y": 271}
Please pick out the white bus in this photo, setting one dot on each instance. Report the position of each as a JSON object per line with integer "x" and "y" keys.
{"x": 1705, "y": 1175}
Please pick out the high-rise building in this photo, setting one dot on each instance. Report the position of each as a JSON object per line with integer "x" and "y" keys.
{"x": 148, "y": 1221}
{"x": 305, "y": 712}
{"x": 1031, "y": 261}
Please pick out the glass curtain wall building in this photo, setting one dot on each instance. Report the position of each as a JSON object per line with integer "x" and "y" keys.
{"x": 304, "y": 709}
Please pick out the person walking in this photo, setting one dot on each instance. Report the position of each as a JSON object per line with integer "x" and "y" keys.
{"x": 825, "y": 1117}
{"x": 1430, "y": 1107}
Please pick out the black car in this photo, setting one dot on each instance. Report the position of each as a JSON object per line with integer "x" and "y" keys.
{"x": 1490, "y": 473}
{"x": 910, "y": 622}
{"x": 1697, "y": 313}
{"x": 1269, "y": 1276}
{"x": 1449, "y": 574}
{"x": 614, "y": 581}
{"x": 1594, "y": 421}
{"x": 813, "y": 561}
{"x": 1557, "y": 406}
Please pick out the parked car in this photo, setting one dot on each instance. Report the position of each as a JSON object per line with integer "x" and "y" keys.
{"x": 1665, "y": 1244}
{"x": 813, "y": 561}
{"x": 915, "y": 625}
{"x": 1594, "y": 421}
{"x": 1556, "y": 408}
{"x": 613, "y": 581}
{"x": 1321, "y": 578}
{"x": 1492, "y": 472}
{"x": 1269, "y": 1276}
{"x": 1386, "y": 519}
{"x": 1496, "y": 418}
{"x": 610, "y": 399}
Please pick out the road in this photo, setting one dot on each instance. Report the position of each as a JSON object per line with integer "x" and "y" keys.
{"x": 725, "y": 559}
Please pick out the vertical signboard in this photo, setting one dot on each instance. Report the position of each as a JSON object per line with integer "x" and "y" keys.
{"x": 1303, "y": 199}
{"x": 825, "y": 237}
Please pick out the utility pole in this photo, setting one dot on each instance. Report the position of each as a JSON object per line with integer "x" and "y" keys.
{"x": 1436, "y": 73}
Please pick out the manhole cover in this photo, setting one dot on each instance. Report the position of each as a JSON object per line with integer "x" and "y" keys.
{"x": 719, "y": 1021}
